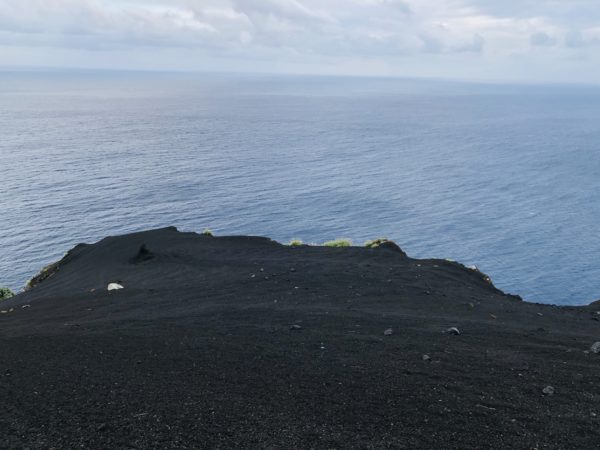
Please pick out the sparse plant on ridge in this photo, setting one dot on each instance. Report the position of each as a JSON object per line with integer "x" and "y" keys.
{"x": 338, "y": 243}
{"x": 374, "y": 243}
{"x": 5, "y": 293}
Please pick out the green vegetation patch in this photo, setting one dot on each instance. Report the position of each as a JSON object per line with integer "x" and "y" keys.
{"x": 338, "y": 243}
{"x": 44, "y": 274}
{"x": 207, "y": 232}
{"x": 5, "y": 293}
{"x": 375, "y": 243}
{"x": 384, "y": 243}
{"x": 51, "y": 269}
{"x": 295, "y": 243}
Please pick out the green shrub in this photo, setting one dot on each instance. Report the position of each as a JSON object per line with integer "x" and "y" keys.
{"x": 295, "y": 243}
{"x": 338, "y": 243}
{"x": 374, "y": 243}
{"x": 44, "y": 274}
{"x": 207, "y": 232}
{"x": 5, "y": 293}
{"x": 384, "y": 243}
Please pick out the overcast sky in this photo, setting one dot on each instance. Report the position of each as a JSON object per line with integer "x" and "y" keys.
{"x": 526, "y": 40}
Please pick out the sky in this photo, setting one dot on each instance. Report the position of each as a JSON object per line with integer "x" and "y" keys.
{"x": 510, "y": 40}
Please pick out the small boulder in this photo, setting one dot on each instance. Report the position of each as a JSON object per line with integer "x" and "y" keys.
{"x": 595, "y": 348}
{"x": 426, "y": 358}
{"x": 548, "y": 390}
{"x": 388, "y": 332}
{"x": 295, "y": 327}
{"x": 453, "y": 331}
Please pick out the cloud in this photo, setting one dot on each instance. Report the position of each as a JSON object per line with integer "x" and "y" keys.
{"x": 461, "y": 34}
{"x": 541, "y": 39}
{"x": 577, "y": 39}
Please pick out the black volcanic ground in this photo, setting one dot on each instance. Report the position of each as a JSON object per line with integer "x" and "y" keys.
{"x": 240, "y": 342}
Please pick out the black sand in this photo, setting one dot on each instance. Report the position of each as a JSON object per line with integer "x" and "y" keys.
{"x": 240, "y": 342}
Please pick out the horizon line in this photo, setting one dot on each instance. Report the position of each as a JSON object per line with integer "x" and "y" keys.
{"x": 458, "y": 80}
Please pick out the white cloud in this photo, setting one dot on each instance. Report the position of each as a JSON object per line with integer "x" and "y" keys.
{"x": 471, "y": 38}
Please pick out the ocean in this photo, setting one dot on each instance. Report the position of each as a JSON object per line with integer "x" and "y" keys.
{"x": 504, "y": 177}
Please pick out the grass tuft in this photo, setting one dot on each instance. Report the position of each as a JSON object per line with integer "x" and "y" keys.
{"x": 207, "y": 232}
{"x": 5, "y": 293}
{"x": 374, "y": 243}
{"x": 44, "y": 274}
{"x": 295, "y": 243}
{"x": 338, "y": 243}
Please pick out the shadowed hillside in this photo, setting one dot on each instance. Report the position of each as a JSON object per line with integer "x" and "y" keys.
{"x": 241, "y": 342}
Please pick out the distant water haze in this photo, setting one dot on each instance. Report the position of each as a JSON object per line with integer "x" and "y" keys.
{"x": 503, "y": 177}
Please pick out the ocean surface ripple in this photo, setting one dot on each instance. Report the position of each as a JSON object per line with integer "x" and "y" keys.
{"x": 503, "y": 177}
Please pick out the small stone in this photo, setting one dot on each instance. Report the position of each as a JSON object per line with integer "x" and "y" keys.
{"x": 25, "y": 306}
{"x": 101, "y": 427}
{"x": 493, "y": 316}
{"x": 426, "y": 358}
{"x": 548, "y": 390}
{"x": 114, "y": 286}
{"x": 453, "y": 330}
{"x": 295, "y": 327}
{"x": 540, "y": 314}
{"x": 388, "y": 332}
{"x": 595, "y": 347}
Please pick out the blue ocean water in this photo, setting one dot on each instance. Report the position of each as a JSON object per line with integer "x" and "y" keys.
{"x": 503, "y": 177}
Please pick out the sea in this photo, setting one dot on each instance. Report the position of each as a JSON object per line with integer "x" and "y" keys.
{"x": 504, "y": 177}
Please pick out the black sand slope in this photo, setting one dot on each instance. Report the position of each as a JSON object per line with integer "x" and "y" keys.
{"x": 240, "y": 342}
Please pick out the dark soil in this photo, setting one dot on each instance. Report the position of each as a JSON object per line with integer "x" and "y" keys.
{"x": 240, "y": 342}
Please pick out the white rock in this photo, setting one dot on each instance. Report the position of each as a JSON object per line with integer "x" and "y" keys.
{"x": 595, "y": 347}
{"x": 114, "y": 286}
{"x": 453, "y": 330}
